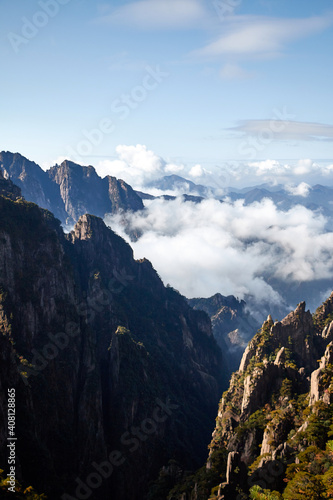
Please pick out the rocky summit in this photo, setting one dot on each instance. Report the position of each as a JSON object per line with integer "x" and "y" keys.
{"x": 69, "y": 190}
{"x": 274, "y": 429}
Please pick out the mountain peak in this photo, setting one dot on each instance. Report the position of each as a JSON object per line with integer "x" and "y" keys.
{"x": 277, "y": 411}
{"x": 82, "y": 169}
{"x": 86, "y": 225}
{"x": 69, "y": 190}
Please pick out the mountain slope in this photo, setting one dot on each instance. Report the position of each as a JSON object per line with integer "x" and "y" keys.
{"x": 83, "y": 191}
{"x": 34, "y": 183}
{"x": 109, "y": 366}
{"x": 184, "y": 186}
{"x": 275, "y": 422}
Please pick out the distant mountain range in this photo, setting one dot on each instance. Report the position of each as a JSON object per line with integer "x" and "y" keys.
{"x": 181, "y": 185}
{"x": 70, "y": 190}
{"x": 318, "y": 197}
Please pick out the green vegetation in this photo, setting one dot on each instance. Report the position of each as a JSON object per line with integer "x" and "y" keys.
{"x": 256, "y": 421}
{"x": 327, "y": 379}
{"x": 257, "y": 493}
{"x": 204, "y": 481}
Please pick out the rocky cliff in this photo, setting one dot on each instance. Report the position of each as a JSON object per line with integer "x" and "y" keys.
{"x": 274, "y": 429}
{"x": 233, "y": 327}
{"x": 83, "y": 191}
{"x": 69, "y": 190}
{"x": 8, "y": 189}
{"x": 114, "y": 373}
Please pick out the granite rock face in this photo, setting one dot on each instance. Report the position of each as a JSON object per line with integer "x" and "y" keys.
{"x": 83, "y": 191}
{"x": 109, "y": 366}
{"x": 33, "y": 181}
{"x": 276, "y": 401}
{"x": 318, "y": 391}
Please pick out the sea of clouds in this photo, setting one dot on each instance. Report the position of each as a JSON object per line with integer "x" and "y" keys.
{"x": 227, "y": 247}
{"x": 230, "y": 248}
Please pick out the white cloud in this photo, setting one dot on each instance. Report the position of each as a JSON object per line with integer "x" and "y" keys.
{"x": 138, "y": 166}
{"x": 278, "y": 172}
{"x": 304, "y": 167}
{"x": 303, "y": 189}
{"x": 140, "y": 157}
{"x": 269, "y": 166}
{"x": 327, "y": 170}
{"x": 158, "y": 14}
{"x": 135, "y": 164}
{"x": 172, "y": 168}
{"x": 196, "y": 171}
{"x": 230, "y": 248}
{"x": 255, "y": 35}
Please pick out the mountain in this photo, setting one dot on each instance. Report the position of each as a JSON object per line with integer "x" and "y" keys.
{"x": 184, "y": 186}
{"x": 34, "y": 183}
{"x": 267, "y": 186}
{"x": 274, "y": 429}
{"x": 233, "y": 326}
{"x": 8, "y": 189}
{"x": 318, "y": 198}
{"x": 83, "y": 191}
{"x": 114, "y": 374}
{"x": 258, "y": 194}
{"x": 69, "y": 190}
{"x": 167, "y": 197}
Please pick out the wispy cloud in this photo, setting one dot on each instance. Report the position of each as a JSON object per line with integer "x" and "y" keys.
{"x": 291, "y": 130}
{"x": 255, "y": 35}
{"x": 157, "y": 14}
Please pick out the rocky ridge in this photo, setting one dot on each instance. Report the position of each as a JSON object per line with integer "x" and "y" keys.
{"x": 275, "y": 422}
{"x": 69, "y": 190}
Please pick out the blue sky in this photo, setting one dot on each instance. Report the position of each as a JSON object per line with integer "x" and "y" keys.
{"x": 196, "y": 82}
